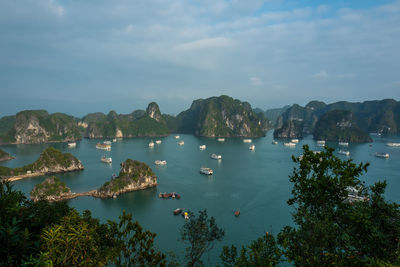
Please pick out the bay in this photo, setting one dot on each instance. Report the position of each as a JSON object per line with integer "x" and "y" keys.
{"x": 256, "y": 182}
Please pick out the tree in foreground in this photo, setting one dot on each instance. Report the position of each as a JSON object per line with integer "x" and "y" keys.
{"x": 331, "y": 226}
{"x": 200, "y": 233}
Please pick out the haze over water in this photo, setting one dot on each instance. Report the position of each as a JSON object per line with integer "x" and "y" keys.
{"x": 256, "y": 182}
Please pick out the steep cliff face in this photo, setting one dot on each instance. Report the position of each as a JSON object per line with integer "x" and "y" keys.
{"x": 222, "y": 116}
{"x": 134, "y": 175}
{"x": 290, "y": 129}
{"x": 339, "y": 125}
{"x": 136, "y": 124}
{"x": 38, "y": 126}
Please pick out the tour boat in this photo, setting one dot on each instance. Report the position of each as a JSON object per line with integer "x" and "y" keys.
{"x": 215, "y": 156}
{"x": 164, "y": 195}
{"x": 178, "y": 211}
{"x": 202, "y": 147}
{"x": 158, "y": 142}
{"x": 246, "y": 140}
{"x": 252, "y": 147}
{"x": 71, "y": 145}
{"x": 107, "y": 142}
{"x": 274, "y": 142}
{"x": 160, "y": 162}
{"x": 114, "y": 140}
{"x": 382, "y": 155}
{"x": 151, "y": 144}
{"x": 294, "y": 141}
{"x": 344, "y": 152}
{"x": 236, "y": 213}
{"x": 185, "y": 215}
{"x": 181, "y": 143}
{"x": 393, "y": 144}
{"x": 106, "y": 160}
{"x": 343, "y": 143}
{"x": 321, "y": 142}
{"x": 206, "y": 171}
{"x": 221, "y": 139}
{"x": 177, "y": 137}
{"x": 175, "y": 195}
{"x": 290, "y": 144}
{"x": 103, "y": 146}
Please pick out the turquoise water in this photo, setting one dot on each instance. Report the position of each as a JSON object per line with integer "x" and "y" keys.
{"x": 256, "y": 182}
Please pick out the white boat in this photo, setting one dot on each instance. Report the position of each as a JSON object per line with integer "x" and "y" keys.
{"x": 344, "y": 152}
{"x": 160, "y": 162}
{"x": 274, "y": 142}
{"x": 151, "y": 144}
{"x": 71, "y": 145}
{"x": 294, "y": 141}
{"x": 343, "y": 143}
{"x": 107, "y": 142}
{"x": 177, "y": 137}
{"x": 103, "y": 146}
{"x": 321, "y": 142}
{"x": 181, "y": 143}
{"x": 290, "y": 144}
{"x": 207, "y": 171}
{"x": 158, "y": 142}
{"x": 246, "y": 140}
{"x": 393, "y": 144}
{"x": 353, "y": 194}
{"x": 221, "y": 139}
{"x": 202, "y": 147}
{"x": 114, "y": 140}
{"x": 215, "y": 156}
{"x": 106, "y": 159}
{"x": 382, "y": 155}
{"x": 252, "y": 147}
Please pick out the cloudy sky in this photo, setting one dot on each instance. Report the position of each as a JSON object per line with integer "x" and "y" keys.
{"x": 84, "y": 56}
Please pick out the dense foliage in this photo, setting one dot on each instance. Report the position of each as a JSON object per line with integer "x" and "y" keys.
{"x": 51, "y": 186}
{"x": 4, "y": 155}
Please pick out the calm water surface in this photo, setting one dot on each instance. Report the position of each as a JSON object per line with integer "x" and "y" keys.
{"x": 256, "y": 182}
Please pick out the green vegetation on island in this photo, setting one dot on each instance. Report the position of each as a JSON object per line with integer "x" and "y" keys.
{"x": 50, "y": 160}
{"x": 50, "y": 188}
{"x": 5, "y": 156}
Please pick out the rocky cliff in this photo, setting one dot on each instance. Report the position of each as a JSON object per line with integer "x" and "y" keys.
{"x": 38, "y": 126}
{"x": 5, "y": 156}
{"x": 136, "y": 124}
{"x": 222, "y": 117}
{"x": 134, "y": 175}
{"x": 51, "y": 189}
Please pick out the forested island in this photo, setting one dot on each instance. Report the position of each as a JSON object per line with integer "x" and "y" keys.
{"x": 5, "y": 156}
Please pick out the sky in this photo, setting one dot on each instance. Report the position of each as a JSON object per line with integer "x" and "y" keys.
{"x": 80, "y": 57}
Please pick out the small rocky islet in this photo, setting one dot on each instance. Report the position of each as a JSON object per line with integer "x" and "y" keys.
{"x": 4, "y": 156}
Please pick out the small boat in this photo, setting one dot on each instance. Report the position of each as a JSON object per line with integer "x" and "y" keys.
{"x": 114, "y": 140}
{"x": 294, "y": 141}
{"x": 252, "y": 147}
{"x": 321, "y": 142}
{"x": 202, "y": 147}
{"x": 164, "y": 195}
{"x": 177, "y": 137}
{"x": 221, "y": 139}
{"x": 103, "y": 146}
{"x": 106, "y": 159}
{"x": 175, "y": 195}
{"x": 290, "y": 144}
{"x": 344, "y": 152}
{"x": 107, "y": 142}
{"x": 160, "y": 162}
{"x": 246, "y": 140}
{"x": 206, "y": 171}
{"x": 185, "y": 215}
{"x": 181, "y": 143}
{"x": 215, "y": 156}
{"x": 393, "y": 144}
{"x": 71, "y": 145}
{"x": 382, "y": 155}
{"x": 178, "y": 211}
{"x": 158, "y": 142}
{"x": 274, "y": 142}
{"x": 151, "y": 144}
{"x": 343, "y": 143}
{"x": 236, "y": 213}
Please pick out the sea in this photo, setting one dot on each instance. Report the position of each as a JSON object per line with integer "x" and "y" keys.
{"x": 254, "y": 182}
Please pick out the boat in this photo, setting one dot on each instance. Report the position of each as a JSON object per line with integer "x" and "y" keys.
{"x": 252, "y": 147}
{"x": 71, "y": 145}
{"x": 151, "y": 144}
{"x": 294, "y": 141}
{"x": 215, "y": 156}
{"x": 175, "y": 195}
{"x": 181, "y": 143}
{"x": 160, "y": 162}
{"x": 107, "y": 142}
{"x": 290, "y": 144}
{"x": 158, "y": 142}
{"x": 103, "y": 146}
{"x": 343, "y": 143}
{"x": 344, "y": 152}
{"x": 382, "y": 155}
{"x": 393, "y": 144}
{"x": 114, "y": 140}
{"x": 246, "y": 140}
{"x": 177, "y": 137}
{"x": 106, "y": 159}
{"x": 206, "y": 171}
{"x": 202, "y": 147}
{"x": 221, "y": 139}
{"x": 321, "y": 142}
{"x": 164, "y": 195}
{"x": 178, "y": 211}
{"x": 185, "y": 215}
{"x": 353, "y": 194}
{"x": 236, "y": 213}
{"x": 274, "y": 142}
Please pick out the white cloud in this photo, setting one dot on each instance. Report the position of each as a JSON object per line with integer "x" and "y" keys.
{"x": 346, "y": 75}
{"x": 320, "y": 75}
{"x": 255, "y": 81}
{"x": 207, "y": 43}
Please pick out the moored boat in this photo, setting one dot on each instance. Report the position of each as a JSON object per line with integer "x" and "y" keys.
{"x": 181, "y": 143}
{"x": 321, "y": 142}
{"x": 151, "y": 144}
{"x": 103, "y": 146}
{"x": 177, "y": 137}
{"x": 106, "y": 159}
{"x": 252, "y": 147}
{"x": 160, "y": 162}
{"x": 114, "y": 140}
{"x": 107, "y": 142}
{"x": 207, "y": 171}
{"x": 246, "y": 140}
{"x": 178, "y": 211}
{"x": 215, "y": 156}
{"x": 221, "y": 139}
{"x": 343, "y": 143}
{"x": 72, "y": 144}
{"x": 202, "y": 147}
{"x": 344, "y": 152}
{"x": 236, "y": 213}
{"x": 164, "y": 195}
{"x": 393, "y": 144}
{"x": 294, "y": 141}
{"x": 274, "y": 142}
{"x": 382, "y": 155}
{"x": 290, "y": 144}
{"x": 158, "y": 142}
